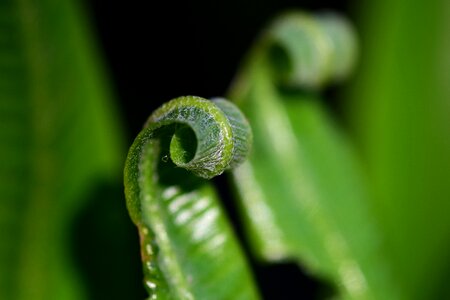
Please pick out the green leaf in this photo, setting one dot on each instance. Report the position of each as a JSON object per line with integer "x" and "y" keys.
{"x": 59, "y": 137}
{"x": 187, "y": 245}
{"x": 302, "y": 191}
{"x": 400, "y": 111}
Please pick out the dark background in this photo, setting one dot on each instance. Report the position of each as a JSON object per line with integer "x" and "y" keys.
{"x": 158, "y": 50}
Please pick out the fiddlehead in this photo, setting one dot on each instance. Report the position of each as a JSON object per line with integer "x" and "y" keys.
{"x": 310, "y": 51}
{"x": 185, "y": 238}
{"x": 300, "y": 51}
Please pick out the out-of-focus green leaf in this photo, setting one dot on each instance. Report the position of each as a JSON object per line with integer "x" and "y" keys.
{"x": 302, "y": 192}
{"x": 401, "y": 115}
{"x": 187, "y": 245}
{"x": 58, "y": 136}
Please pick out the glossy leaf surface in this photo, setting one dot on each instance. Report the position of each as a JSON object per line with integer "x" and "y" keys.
{"x": 56, "y": 142}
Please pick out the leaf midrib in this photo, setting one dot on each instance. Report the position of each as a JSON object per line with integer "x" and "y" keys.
{"x": 37, "y": 216}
